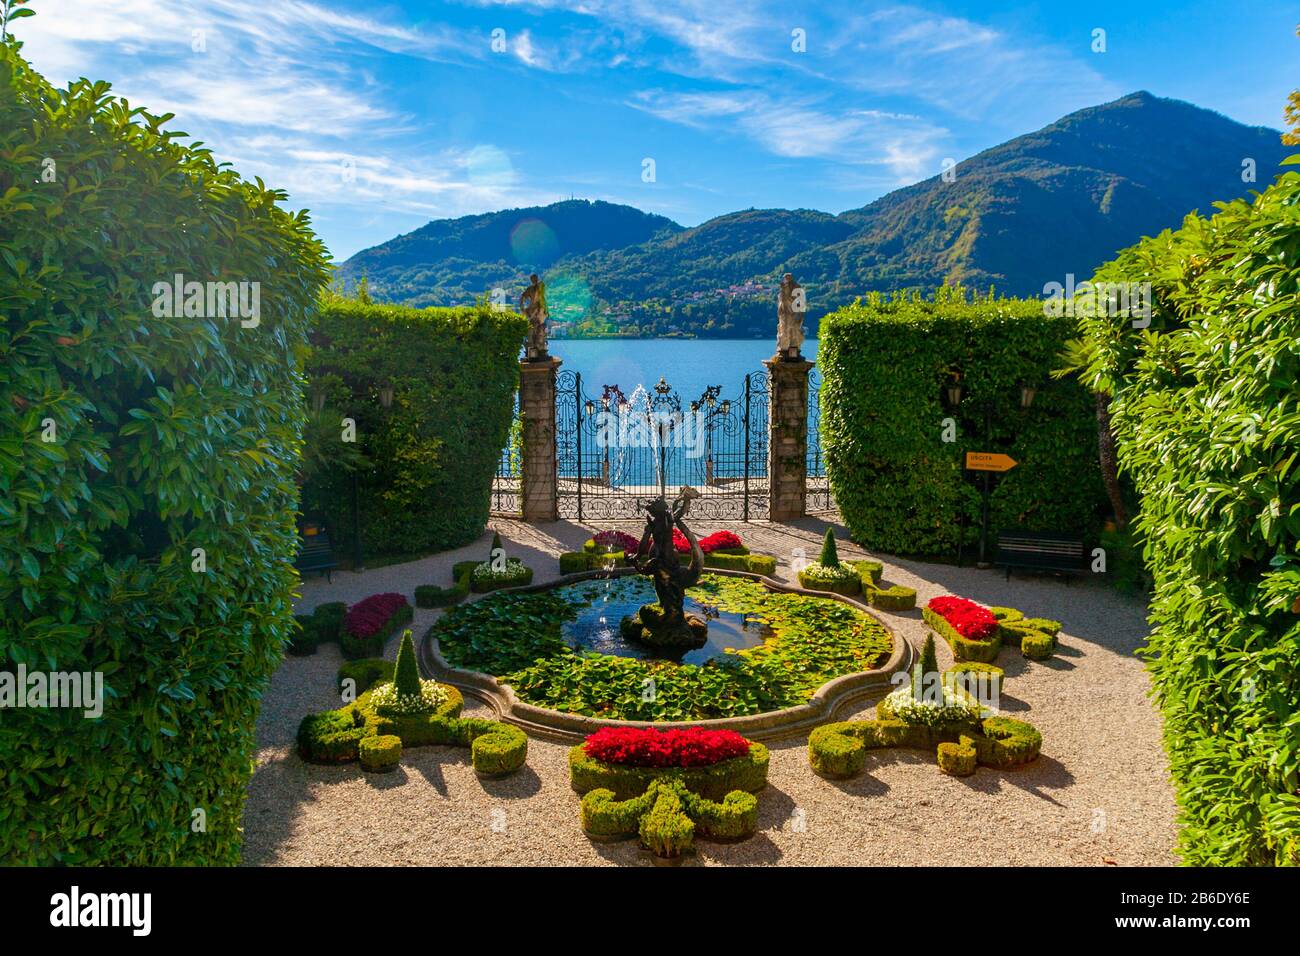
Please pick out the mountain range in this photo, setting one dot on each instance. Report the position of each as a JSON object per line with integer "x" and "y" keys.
{"x": 1060, "y": 200}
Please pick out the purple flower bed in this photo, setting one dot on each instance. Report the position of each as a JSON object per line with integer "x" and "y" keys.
{"x": 371, "y": 616}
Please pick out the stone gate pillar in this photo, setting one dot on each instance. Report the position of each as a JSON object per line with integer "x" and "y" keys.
{"x": 787, "y": 461}
{"x": 539, "y": 475}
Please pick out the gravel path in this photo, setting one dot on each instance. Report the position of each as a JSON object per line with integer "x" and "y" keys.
{"x": 1099, "y": 794}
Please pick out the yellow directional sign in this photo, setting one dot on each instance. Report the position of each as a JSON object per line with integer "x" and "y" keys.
{"x": 987, "y": 461}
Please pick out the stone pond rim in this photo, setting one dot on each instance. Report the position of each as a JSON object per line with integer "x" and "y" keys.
{"x": 826, "y": 701}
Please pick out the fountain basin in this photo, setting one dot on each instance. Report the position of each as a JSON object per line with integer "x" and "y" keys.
{"x": 859, "y": 668}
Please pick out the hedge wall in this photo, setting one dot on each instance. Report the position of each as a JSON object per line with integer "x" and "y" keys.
{"x": 900, "y": 487}
{"x": 127, "y": 440}
{"x": 1207, "y": 415}
{"x": 432, "y": 454}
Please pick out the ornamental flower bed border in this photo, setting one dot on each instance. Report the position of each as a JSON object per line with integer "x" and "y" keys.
{"x": 972, "y": 621}
{"x": 663, "y": 749}
{"x": 371, "y": 621}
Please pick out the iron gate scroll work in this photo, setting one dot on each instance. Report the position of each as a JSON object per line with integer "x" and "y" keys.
{"x": 609, "y": 457}
{"x": 818, "y": 485}
{"x": 615, "y": 449}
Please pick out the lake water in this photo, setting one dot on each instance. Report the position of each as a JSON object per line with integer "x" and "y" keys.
{"x": 689, "y": 365}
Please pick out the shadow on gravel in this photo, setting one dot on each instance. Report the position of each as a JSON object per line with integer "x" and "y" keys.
{"x": 1044, "y": 774}
{"x": 524, "y": 782}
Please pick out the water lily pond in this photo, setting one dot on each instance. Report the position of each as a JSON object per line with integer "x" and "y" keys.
{"x": 596, "y": 628}
{"x": 766, "y": 650}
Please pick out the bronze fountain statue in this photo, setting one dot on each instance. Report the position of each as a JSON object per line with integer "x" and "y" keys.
{"x": 666, "y": 624}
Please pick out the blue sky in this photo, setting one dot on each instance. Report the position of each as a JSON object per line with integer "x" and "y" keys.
{"x": 380, "y": 116}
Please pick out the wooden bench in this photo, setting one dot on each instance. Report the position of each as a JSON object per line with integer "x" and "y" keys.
{"x": 315, "y": 554}
{"x": 1040, "y": 551}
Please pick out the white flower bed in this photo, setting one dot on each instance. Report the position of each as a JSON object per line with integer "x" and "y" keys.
{"x": 930, "y": 710}
{"x": 387, "y": 700}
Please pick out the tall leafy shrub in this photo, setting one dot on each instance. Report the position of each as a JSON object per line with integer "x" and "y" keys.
{"x": 432, "y": 454}
{"x": 1207, "y": 414}
{"x": 899, "y": 484}
{"x": 128, "y": 440}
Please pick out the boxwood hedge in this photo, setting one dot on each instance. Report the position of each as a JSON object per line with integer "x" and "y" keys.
{"x": 129, "y": 438}
{"x": 1207, "y": 417}
{"x": 899, "y": 485}
{"x": 432, "y": 454}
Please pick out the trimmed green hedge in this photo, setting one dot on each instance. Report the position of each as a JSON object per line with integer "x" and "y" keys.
{"x": 984, "y": 652}
{"x": 365, "y": 674}
{"x": 323, "y": 625}
{"x": 666, "y": 807}
{"x": 899, "y": 486}
{"x": 839, "y": 750}
{"x": 433, "y": 453}
{"x": 355, "y": 648}
{"x": 575, "y": 562}
{"x": 894, "y": 598}
{"x": 1207, "y": 416}
{"x": 337, "y": 736}
{"x": 747, "y": 773}
{"x": 129, "y": 437}
{"x": 668, "y": 815}
{"x": 1035, "y": 636}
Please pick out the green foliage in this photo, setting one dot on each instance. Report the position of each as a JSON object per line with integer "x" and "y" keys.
{"x": 496, "y": 548}
{"x": 337, "y": 736}
{"x": 380, "y": 753}
{"x": 894, "y": 598}
{"x": 433, "y": 453}
{"x": 406, "y": 674}
{"x": 486, "y": 577}
{"x": 322, "y": 625}
{"x": 715, "y": 781}
{"x": 929, "y": 662}
{"x": 170, "y": 434}
{"x": 668, "y": 814}
{"x": 1110, "y": 173}
{"x": 575, "y": 562}
{"x": 364, "y": 673}
{"x": 830, "y": 557}
{"x": 433, "y": 595}
{"x": 355, "y": 648}
{"x": 899, "y": 485}
{"x": 1207, "y": 418}
{"x": 983, "y": 652}
{"x": 496, "y": 749}
{"x": 839, "y": 750}
{"x": 838, "y": 579}
{"x": 957, "y": 759}
{"x": 869, "y": 571}
{"x": 517, "y": 638}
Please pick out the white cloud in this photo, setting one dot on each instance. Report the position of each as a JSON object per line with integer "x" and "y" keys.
{"x": 904, "y": 144}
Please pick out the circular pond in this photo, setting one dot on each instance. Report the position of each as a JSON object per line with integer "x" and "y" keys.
{"x": 595, "y": 628}
{"x": 559, "y": 647}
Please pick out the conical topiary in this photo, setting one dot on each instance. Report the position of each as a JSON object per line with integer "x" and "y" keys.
{"x": 929, "y": 661}
{"x": 496, "y": 547}
{"x": 406, "y": 675}
{"x": 830, "y": 556}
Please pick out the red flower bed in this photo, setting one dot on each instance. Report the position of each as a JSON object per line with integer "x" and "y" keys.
{"x": 708, "y": 544}
{"x": 972, "y": 621}
{"x": 617, "y": 541}
{"x": 720, "y": 539}
{"x": 693, "y": 747}
{"x": 370, "y": 616}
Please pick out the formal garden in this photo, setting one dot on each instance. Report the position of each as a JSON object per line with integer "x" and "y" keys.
{"x": 276, "y": 540}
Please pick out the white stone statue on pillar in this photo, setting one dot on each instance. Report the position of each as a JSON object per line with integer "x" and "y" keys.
{"x": 790, "y": 308}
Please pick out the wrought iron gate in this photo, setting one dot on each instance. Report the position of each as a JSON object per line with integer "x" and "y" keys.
{"x": 610, "y": 457}
{"x": 615, "y": 450}
{"x": 819, "y": 488}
